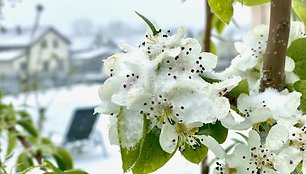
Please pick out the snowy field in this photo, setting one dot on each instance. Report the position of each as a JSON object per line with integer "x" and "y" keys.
{"x": 61, "y": 104}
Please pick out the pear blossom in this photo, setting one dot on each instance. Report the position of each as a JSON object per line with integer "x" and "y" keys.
{"x": 181, "y": 135}
{"x": 248, "y": 64}
{"x": 254, "y": 157}
{"x": 294, "y": 151}
{"x": 184, "y": 104}
{"x": 280, "y": 106}
{"x": 162, "y": 82}
{"x": 178, "y": 56}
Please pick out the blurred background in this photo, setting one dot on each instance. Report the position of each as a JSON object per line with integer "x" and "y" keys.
{"x": 51, "y": 54}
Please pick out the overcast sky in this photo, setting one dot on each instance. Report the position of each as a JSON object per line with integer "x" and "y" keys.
{"x": 62, "y": 13}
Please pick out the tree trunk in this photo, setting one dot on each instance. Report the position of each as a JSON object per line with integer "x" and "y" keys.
{"x": 275, "y": 55}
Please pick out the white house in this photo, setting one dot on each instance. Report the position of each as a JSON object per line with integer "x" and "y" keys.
{"x": 43, "y": 50}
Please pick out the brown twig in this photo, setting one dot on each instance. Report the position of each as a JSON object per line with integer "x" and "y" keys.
{"x": 208, "y": 27}
{"x": 275, "y": 55}
{"x": 26, "y": 145}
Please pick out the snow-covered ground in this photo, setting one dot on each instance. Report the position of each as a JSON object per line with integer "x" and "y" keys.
{"x": 61, "y": 104}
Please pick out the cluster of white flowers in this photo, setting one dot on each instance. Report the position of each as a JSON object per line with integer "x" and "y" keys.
{"x": 283, "y": 148}
{"x": 162, "y": 80}
{"x": 248, "y": 64}
{"x": 162, "y": 83}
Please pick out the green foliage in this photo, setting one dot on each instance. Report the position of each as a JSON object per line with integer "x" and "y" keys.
{"x": 242, "y": 87}
{"x": 217, "y": 24}
{"x": 299, "y": 7}
{"x": 129, "y": 155}
{"x": 152, "y": 156}
{"x": 51, "y": 166}
{"x": 18, "y": 126}
{"x": 28, "y": 126}
{"x": 24, "y": 161}
{"x": 253, "y": 2}
{"x": 297, "y": 51}
{"x": 216, "y": 130}
{"x": 149, "y": 23}
{"x": 62, "y": 158}
{"x": 223, "y": 9}
{"x": 300, "y": 86}
{"x": 12, "y": 140}
{"x": 195, "y": 155}
{"x": 213, "y": 48}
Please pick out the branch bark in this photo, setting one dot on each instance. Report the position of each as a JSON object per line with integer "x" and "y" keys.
{"x": 275, "y": 55}
{"x": 208, "y": 26}
{"x": 26, "y": 145}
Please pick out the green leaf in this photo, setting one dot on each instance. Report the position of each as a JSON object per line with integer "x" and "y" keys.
{"x": 213, "y": 48}
{"x": 210, "y": 80}
{"x": 28, "y": 126}
{"x": 75, "y": 171}
{"x": 223, "y": 9}
{"x": 126, "y": 126}
{"x": 12, "y": 139}
{"x": 242, "y": 87}
{"x": 51, "y": 166}
{"x": 253, "y": 2}
{"x": 62, "y": 158}
{"x": 24, "y": 161}
{"x": 299, "y": 7}
{"x": 216, "y": 130}
{"x": 149, "y": 23}
{"x": 27, "y": 170}
{"x": 300, "y": 86}
{"x": 297, "y": 52}
{"x": 195, "y": 155}
{"x": 152, "y": 156}
{"x": 217, "y": 24}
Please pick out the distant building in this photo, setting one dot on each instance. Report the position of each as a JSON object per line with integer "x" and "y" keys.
{"x": 87, "y": 53}
{"x": 51, "y": 58}
{"x": 41, "y": 52}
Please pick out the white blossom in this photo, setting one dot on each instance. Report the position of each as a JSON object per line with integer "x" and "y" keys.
{"x": 161, "y": 81}
{"x": 280, "y": 106}
{"x": 248, "y": 64}
{"x": 249, "y": 158}
{"x": 291, "y": 147}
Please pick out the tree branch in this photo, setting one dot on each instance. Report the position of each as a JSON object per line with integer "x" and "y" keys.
{"x": 207, "y": 35}
{"x": 275, "y": 55}
{"x": 26, "y": 145}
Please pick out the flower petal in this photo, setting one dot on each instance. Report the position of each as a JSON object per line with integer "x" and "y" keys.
{"x": 277, "y": 137}
{"x": 212, "y": 145}
{"x": 287, "y": 160}
{"x": 254, "y": 139}
{"x": 168, "y": 138}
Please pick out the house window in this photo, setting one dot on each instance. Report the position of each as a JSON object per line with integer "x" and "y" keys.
{"x": 46, "y": 66}
{"x": 44, "y": 44}
{"x": 24, "y": 66}
{"x": 55, "y": 43}
{"x": 60, "y": 65}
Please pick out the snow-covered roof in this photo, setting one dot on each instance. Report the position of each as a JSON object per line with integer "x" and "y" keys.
{"x": 23, "y": 37}
{"x": 9, "y": 55}
{"x": 81, "y": 43}
{"x": 92, "y": 53}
